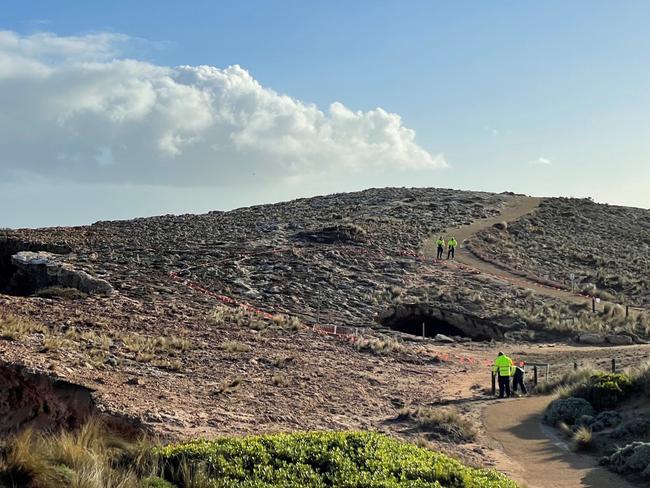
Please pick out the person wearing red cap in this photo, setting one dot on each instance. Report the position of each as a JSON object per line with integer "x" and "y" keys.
{"x": 518, "y": 378}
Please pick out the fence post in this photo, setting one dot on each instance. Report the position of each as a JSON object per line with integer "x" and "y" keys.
{"x": 613, "y": 365}
{"x": 423, "y": 330}
{"x": 494, "y": 383}
{"x": 535, "y": 375}
{"x": 548, "y": 370}
{"x": 593, "y": 304}
{"x": 627, "y": 310}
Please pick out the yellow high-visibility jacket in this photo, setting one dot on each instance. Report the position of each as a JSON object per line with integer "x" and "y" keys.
{"x": 503, "y": 366}
{"x": 452, "y": 243}
{"x": 440, "y": 242}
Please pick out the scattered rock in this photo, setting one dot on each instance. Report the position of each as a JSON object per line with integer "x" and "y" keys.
{"x": 501, "y": 225}
{"x": 443, "y": 338}
{"x": 619, "y": 339}
{"x": 591, "y": 338}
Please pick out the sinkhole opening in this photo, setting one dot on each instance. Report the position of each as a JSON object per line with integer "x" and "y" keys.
{"x": 423, "y": 325}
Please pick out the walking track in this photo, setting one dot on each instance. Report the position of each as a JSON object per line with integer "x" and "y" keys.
{"x": 535, "y": 457}
{"x": 541, "y": 459}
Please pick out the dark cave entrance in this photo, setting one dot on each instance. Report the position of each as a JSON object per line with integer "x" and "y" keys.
{"x": 416, "y": 323}
{"x": 11, "y": 281}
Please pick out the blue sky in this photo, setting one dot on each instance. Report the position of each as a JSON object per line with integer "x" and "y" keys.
{"x": 545, "y": 98}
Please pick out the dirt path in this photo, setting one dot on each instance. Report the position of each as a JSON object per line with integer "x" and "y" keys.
{"x": 514, "y": 210}
{"x": 537, "y": 457}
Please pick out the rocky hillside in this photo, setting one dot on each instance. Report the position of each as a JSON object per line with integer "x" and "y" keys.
{"x": 142, "y": 316}
{"x": 606, "y": 248}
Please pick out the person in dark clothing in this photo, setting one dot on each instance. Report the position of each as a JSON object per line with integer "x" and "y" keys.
{"x": 518, "y": 379}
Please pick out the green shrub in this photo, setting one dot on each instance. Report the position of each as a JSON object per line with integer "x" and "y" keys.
{"x": 605, "y": 390}
{"x": 322, "y": 459}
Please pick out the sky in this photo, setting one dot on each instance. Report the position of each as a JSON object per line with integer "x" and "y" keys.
{"x": 114, "y": 110}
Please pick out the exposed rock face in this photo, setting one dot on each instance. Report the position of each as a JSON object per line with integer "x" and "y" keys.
{"x": 38, "y": 401}
{"x": 38, "y": 270}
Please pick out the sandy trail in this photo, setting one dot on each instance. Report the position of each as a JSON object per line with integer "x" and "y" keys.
{"x": 516, "y": 208}
{"x": 541, "y": 459}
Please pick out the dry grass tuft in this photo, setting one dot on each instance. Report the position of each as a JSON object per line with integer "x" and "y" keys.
{"x": 235, "y": 346}
{"x": 445, "y": 419}
{"x": 15, "y": 328}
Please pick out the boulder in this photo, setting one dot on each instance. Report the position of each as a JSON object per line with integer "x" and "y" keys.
{"x": 501, "y": 225}
{"x": 38, "y": 270}
{"x": 567, "y": 410}
{"x": 590, "y": 338}
{"x": 619, "y": 339}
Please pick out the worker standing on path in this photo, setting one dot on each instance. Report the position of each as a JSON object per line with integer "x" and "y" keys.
{"x": 441, "y": 247}
{"x": 451, "y": 248}
{"x": 518, "y": 378}
{"x": 503, "y": 369}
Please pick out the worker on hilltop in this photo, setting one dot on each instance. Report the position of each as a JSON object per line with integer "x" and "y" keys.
{"x": 441, "y": 247}
{"x": 451, "y": 248}
{"x": 518, "y": 378}
{"x": 503, "y": 368}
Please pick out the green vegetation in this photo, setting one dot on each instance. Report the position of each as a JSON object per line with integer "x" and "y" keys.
{"x": 320, "y": 459}
{"x": 91, "y": 458}
{"x": 605, "y": 390}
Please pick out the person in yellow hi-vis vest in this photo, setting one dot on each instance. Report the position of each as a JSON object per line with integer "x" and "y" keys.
{"x": 441, "y": 247}
{"x": 451, "y": 247}
{"x": 503, "y": 368}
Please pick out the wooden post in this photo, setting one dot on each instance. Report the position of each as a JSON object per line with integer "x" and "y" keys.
{"x": 535, "y": 375}
{"x": 424, "y": 330}
{"x": 593, "y": 304}
{"x": 494, "y": 383}
{"x": 548, "y": 369}
{"x": 627, "y": 310}
{"x": 613, "y": 365}
{"x": 575, "y": 366}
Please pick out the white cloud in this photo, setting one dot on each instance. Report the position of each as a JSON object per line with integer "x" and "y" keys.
{"x": 541, "y": 161}
{"x": 73, "y": 108}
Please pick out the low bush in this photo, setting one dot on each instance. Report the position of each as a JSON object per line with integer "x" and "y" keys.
{"x": 605, "y": 390}
{"x": 634, "y": 458}
{"x": 92, "y": 458}
{"x": 320, "y": 459}
{"x": 567, "y": 410}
